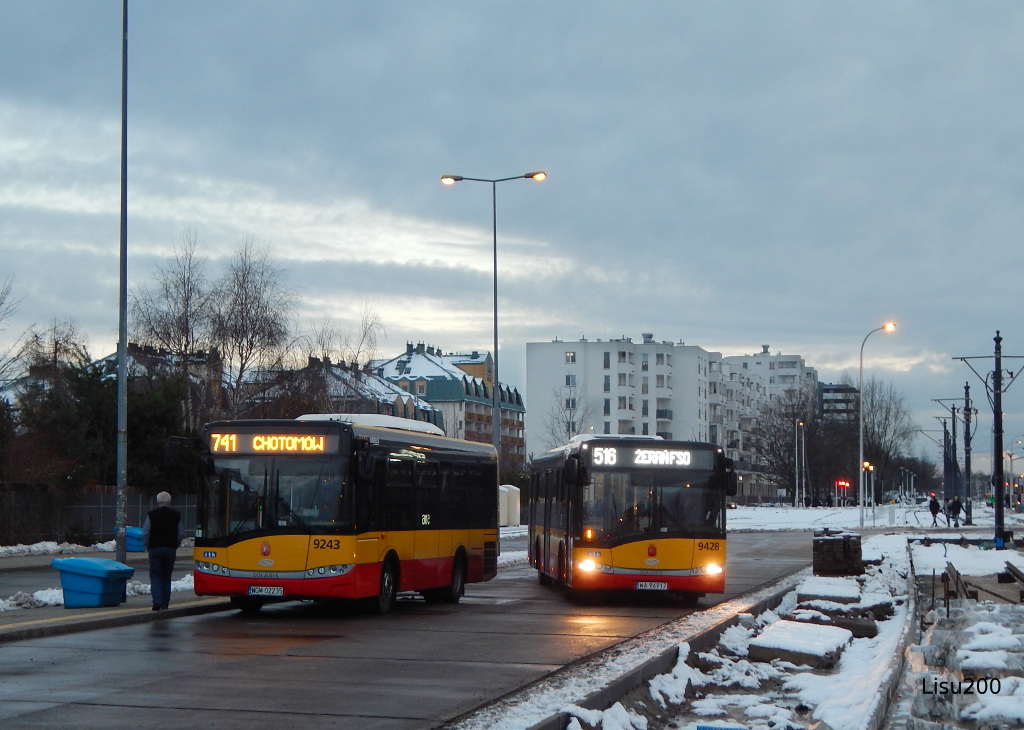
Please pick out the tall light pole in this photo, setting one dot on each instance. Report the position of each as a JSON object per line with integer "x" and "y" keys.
{"x": 120, "y": 546}
{"x": 889, "y": 327}
{"x": 496, "y": 386}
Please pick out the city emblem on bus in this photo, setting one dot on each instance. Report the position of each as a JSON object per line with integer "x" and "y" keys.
{"x": 265, "y": 549}
{"x": 652, "y": 550}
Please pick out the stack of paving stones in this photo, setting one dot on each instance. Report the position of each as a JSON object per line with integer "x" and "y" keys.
{"x": 837, "y": 552}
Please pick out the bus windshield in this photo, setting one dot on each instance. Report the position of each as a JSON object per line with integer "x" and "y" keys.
{"x": 268, "y": 494}
{"x": 631, "y": 505}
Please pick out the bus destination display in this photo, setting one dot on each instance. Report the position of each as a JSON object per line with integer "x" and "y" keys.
{"x": 650, "y": 457}
{"x": 239, "y": 442}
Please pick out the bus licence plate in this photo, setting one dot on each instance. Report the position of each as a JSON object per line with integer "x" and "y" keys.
{"x": 651, "y": 585}
{"x": 266, "y": 591}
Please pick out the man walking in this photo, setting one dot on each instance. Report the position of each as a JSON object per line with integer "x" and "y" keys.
{"x": 954, "y": 508}
{"x": 162, "y": 532}
{"x": 934, "y": 508}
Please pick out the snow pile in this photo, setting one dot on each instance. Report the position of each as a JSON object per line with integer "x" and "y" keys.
{"x": 55, "y": 596}
{"x": 49, "y": 547}
{"x": 968, "y": 560}
{"x": 723, "y": 686}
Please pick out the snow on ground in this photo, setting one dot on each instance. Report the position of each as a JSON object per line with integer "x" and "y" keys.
{"x": 776, "y": 695}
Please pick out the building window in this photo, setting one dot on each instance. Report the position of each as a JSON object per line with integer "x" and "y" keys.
{"x": 607, "y": 407}
{"x": 421, "y": 388}
{"x": 570, "y": 403}
{"x": 570, "y": 357}
{"x": 607, "y": 383}
{"x": 646, "y": 430}
{"x": 622, "y": 380}
{"x": 570, "y": 381}
{"x": 607, "y": 360}
{"x": 622, "y": 402}
{"x": 659, "y": 359}
{"x": 622, "y": 356}
{"x": 607, "y": 427}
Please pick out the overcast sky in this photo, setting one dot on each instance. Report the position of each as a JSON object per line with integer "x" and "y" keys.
{"x": 728, "y": 174}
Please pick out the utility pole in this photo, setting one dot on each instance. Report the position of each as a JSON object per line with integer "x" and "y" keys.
{"x": 995, "y": 394}
{"x": 951, "y": 470}
{"x": 967, "y": 455}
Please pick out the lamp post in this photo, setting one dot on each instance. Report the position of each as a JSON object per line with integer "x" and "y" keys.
{"x": 889, "y": 327}
{"x": 495, "y": 387}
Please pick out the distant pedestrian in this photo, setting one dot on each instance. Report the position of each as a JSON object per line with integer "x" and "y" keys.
{"x": 162, "y": 532}
{"x": 934, "y": 508}
{"x": 954, "y": 511}
{"x": 945, "y": 511}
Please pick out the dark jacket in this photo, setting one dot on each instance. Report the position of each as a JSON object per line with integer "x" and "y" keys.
{"x": 165, "y": 528}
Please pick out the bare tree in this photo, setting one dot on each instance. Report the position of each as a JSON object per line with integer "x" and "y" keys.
{"x": 176, "y": 315}
{"x": 361, "y": 346}
{"x": 888, "y": 429}
{"x": 252, "y": 318}
{"x": 8, "y": 307}
{"x": 568, "y": 416}
{"x": 59, "y": 344}
{"x": 329, "y": 341}
{"x": 776, "y": 432}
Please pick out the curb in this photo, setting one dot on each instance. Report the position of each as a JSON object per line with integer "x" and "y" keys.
{"x": 114, "y": 617}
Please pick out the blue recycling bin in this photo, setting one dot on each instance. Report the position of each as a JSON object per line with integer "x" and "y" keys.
{"x": 133, "y": 539}
{"x": 92, "y": 582}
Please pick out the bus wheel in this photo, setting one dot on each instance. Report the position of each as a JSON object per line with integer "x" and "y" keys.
{"x": 388, "y": 587}
{"x": 543, "y": 578}
{"x": 457, "y": 589}
{"x": 250, "y": 606}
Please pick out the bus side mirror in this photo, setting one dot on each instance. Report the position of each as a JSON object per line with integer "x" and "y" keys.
{"x": 575, "y": 473}
{"x": 367, "y": 465}
{"x": 728, "y": 476}
{"x": 180, "y": 451}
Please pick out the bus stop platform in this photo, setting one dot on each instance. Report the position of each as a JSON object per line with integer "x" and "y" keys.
{"x": 23, "y": 571}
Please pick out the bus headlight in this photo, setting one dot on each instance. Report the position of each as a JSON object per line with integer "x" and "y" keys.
{"x": 713, "y": 569}
{"x": 588, "y": 566}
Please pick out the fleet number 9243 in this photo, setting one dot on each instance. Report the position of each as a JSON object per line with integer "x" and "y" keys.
{"x": 712, "y": 545}
{"x": 325, "y": 544}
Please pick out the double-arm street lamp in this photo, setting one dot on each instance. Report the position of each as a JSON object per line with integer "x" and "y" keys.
{"x": 495, "y": 388}
{"x": 889, "y": 327}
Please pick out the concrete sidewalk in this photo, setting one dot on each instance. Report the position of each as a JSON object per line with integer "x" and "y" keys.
{"x": 27, "y": 623}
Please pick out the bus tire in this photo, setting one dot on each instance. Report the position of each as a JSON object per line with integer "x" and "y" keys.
{"x": 247, "y": 605}
{"x": 388, "y": 586}
{"x": 457, "y": 588}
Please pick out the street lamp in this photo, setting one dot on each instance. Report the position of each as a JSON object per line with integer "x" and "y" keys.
{"x": 495, "y": 400}
{"x": 889, "y": 327}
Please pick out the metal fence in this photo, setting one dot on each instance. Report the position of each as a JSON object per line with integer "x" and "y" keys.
{"x": 28, "y": 517}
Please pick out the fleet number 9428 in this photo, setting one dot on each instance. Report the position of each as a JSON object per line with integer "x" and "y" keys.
{"x": 709, "y": 545}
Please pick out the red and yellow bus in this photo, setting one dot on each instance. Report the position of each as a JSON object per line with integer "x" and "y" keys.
{"x": 630, "y": 513}
{"x": 336, "y": 507}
